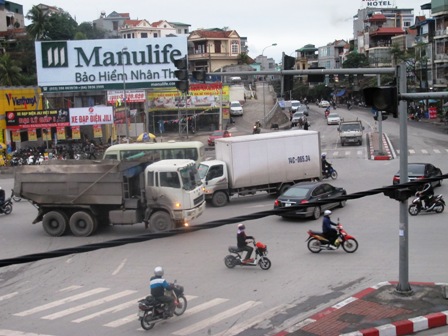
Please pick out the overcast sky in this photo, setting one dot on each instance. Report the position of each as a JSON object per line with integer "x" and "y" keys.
{"x": 289, "y": 23}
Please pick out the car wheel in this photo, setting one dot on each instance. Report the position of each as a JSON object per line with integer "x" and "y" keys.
{"x": 316, "y": 212}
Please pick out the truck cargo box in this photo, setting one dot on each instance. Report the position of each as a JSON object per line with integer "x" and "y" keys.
{"x": 74, "y": 182}
{"x": 270, "y": 157}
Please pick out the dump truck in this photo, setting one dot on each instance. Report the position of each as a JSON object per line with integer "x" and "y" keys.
{"x": 267, "y": 162}
{"x": 82, "y": 195}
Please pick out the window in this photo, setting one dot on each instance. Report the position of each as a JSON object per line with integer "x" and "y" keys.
{"x": 169, "y": 179}
{"x": 235, "y": 47}
{"x": 214, "y": 172}
{"x": 155, "y": 35}
{"x": 144, "y": 35}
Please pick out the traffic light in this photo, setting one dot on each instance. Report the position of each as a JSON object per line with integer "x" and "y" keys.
{"x": 289, "y": 63}
{"x": 182, "y": 74}
{"x": 382, "y": 98}
{"x": 320, "y": 78}
{"x": 200, "y": 75}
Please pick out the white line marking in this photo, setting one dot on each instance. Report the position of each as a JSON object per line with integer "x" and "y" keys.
{"x": 216, "y": 318}
{"x": 424, "y": 151}
{"x": 347, "y": 153}
{"x": 204, "y": 306}
{"x": 335, "y": 153}
{"x": 8, "y": 296}
{"x": 61, "y": 302}
{"x": 6, "y": 332}
{"x": 118, "y": 269}
{"x": 411, "y": 151}
{"x": 437, "y": 151}
{"x": 88, "y": 305}
{"x": 70, "y": 288}
{"x": 113, "y": 309}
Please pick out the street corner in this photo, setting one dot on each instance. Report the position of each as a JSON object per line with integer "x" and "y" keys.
{"x": 380, "y": 310}
{"x": 377, "y": 151}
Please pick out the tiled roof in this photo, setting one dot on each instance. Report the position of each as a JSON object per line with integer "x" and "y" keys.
{"x": 377, "y": 17}
{"x": 213, "y": 33}
{"x": 388, "y": 31}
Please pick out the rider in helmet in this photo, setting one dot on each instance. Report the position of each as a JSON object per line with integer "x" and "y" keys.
{"x": 325, "y": 164}
{"x": 158, "y": 287}
{"x": 426, "y": 195}
{"x": 327, "y": 231}
{"x": 242, "y": 242}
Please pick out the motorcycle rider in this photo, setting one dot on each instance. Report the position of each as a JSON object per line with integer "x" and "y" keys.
{"x": 257, "y": 127}
{"x": 2, "y": 196}
{"x": 158, "y": 286}
{"x": 426, "y": 195}
{"x": 242, "y": 243}
{"x": 325, "y": 165}
{"x": 327, "y": 231}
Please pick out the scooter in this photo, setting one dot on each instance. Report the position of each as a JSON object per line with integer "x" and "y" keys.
{"x": 327, "y": 112}
{"x": 236, "y": 258}
{"x": 256, "y": 129}
{"x": 437, "y": 205}
{"x": 330, "y": 172}
{"x": 6, "y": 207}
{"x": 151, "y": 311}
{"x": 317, "y": 242}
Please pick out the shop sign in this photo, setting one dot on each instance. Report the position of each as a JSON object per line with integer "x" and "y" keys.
{"x": 94, "y": 115}
{"x": 37, "y": 119}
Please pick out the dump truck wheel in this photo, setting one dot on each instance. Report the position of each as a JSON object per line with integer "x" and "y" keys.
{"x": 55, "y": 223}
{"x": 161, "y": 222}
{"x": 82, "y": 224}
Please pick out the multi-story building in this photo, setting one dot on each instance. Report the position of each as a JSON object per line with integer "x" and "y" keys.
{"x": 111, "y": 23}
{"x": 306, "y": 57}
{"x": 11, "y": 16}
{"x": 144, "y": 29}
{"x": 213, "y": 49}
{"x": 333, "y": 54}
{"x": 439, "y": 11}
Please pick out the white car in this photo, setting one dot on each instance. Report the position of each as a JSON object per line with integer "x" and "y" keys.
{"x": 324, "y": 103}
{"x": 236, "y": 109}
{"x": 295, "y": 104}
{"x": 333, "y": 119}
{"x": 297, "y": 117}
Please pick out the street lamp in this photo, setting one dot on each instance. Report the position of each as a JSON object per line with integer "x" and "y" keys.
{"x": 264, "y": 99}
{"x": 124, "y": 96}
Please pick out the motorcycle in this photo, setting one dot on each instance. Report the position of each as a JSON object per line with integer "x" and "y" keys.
{"x": 317, "y": 242}
{"x": 330, "y": 172}
{"x": 151, "y": 311}
{"x": 437, "y": 205}
{"x": 236, "y": 258}
{"x": 327, "y": 112}
{"x": 256, "y": 129}
{"x": 6, "y": 206}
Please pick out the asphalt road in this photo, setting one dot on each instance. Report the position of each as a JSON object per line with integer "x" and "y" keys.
{"x": 75, "y": 294}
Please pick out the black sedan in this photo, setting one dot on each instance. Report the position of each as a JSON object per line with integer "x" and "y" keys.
{"x": 418, "y": 171}
{"x": 305, "y": 192}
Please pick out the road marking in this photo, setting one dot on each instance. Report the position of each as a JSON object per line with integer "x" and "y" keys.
{"x": 437, "y": 151}
{"x": 88, "y": 305}
{"x": 70, "y": 288}
{"x": 359, "y": 152}
{"x": 112, "y": 309}
{"x": 411, "y": 151}
{"x": 424, "y": 151}
{"x": 8, "y": 296}
{"x": 61, "y": 302}
{"x": 118, "y": 269}
{"x": 133, "y": 317}
{"x": 347, "y": 153}
{"x": 204, "y": 306}
{"x": 6, "y": 332}
{"x": 216, "y": 318}
{"x": 335, "y": 153}
{"x": 246, "y": 324}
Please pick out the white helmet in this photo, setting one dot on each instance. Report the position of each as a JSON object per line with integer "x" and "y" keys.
{"x": 327, "y": 212}
{"x": 324, "y": 155}
{"x": 241, "y": 227}
{"x": 158, "y": 271}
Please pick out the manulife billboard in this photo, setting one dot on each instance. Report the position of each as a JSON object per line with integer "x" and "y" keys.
{"x": 110, "y": 64}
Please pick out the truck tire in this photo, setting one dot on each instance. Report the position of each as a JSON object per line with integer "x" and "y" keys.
{"x": 161, "y": 222}
{"x": 219, "y": 199}
{"x": 82, "y": 224}
{"x": 55, "y": 223}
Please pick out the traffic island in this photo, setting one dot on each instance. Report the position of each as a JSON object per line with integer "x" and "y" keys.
{"x": 375, "y": 152}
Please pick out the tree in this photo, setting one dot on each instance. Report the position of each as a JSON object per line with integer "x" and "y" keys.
{"x": 39, "y": 20}
{"x": 356, "y": 60}
{"x": 10, "y": 72}
{"x": 90, "y": 32}
{"x": 61, "y": 27}
{"x": 243, "y": 58}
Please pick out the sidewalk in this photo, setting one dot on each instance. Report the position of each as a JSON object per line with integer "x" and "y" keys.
{"x": 379, "y": 311}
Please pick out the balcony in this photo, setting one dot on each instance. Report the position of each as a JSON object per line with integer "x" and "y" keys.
{"x": 439, "y": 33}
{"x": 440, "y": 58}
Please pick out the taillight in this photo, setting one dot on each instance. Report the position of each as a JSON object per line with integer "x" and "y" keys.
{"x": 420, "y": 177}
{"x": 303, "y": 201}
{"x": 396, "y": 178}
{"x": 276, "y": 202}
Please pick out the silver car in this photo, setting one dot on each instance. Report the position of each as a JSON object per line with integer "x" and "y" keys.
{"x": 297, "y": 118}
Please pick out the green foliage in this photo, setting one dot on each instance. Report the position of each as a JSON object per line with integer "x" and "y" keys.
{"x": 10, "y": 72}
{"x": 61, "y": 26}
{"x": 39, "y": 20}
{"x": 243, "y": 58}
{"x": 356, "y": 60}
{"x": 90, "y": 32}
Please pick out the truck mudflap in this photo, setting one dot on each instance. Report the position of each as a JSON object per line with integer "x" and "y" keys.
{"x": 39, "y": 217}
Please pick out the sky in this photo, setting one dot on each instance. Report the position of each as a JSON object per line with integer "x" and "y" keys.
{"x": 291, "y": 24}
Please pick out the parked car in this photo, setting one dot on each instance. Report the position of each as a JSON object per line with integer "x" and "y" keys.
{"x": 217, "y": 135}
{"x": 417, "y": 171}
{"x": 236, "y": 109}
{"x": 305, "y": 192}
{"x": 333, "y": 119}
{"x": 296, "y": 118}
{"x": 324, "y": 103}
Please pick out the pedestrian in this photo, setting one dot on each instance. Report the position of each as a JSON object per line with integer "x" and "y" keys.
{"x": 91, "y": 149}
{"x": 306, "y": 124}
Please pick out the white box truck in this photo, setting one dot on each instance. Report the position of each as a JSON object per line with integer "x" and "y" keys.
{"x": 269, "y": 162}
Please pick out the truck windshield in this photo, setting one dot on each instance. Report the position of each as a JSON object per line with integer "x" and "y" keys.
{"x": 190, "y": 177}
{"x": 203, "y": 169}
{"x": 350, "y": 128}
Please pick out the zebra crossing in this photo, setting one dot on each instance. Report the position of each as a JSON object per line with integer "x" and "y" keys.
{"x": 425, "y": 151}
{"x": 361, "y": 153}
{"x": 115, "y": 309}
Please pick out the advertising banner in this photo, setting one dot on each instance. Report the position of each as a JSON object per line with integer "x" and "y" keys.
{"x": 60, "y": 133}
{"x": 80, "y": 65}
{"x": 76, "y": 133}
{"x": 97, "y": 131}
{"x": 37, "y": 119}
{"x": 201, "y": 97}
{"x": 32, "y": 135}
{"x": 132, "y": 96}
{"x": 46, "y": 135}
{"x": 16, "y": 136}
{"x": 94, "y": 115}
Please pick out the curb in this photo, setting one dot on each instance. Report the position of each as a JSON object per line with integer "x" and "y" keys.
{"x": 397, "y": 328}
{"x": 386, "y": 146}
